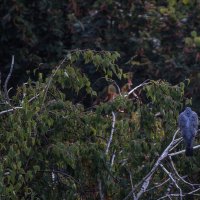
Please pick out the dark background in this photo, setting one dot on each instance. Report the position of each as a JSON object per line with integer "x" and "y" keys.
{"x": 156, "y": 39}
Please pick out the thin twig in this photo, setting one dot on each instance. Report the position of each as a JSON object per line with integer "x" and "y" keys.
{"x": 7, "y": 80}
{"x": 51, "y": 78}
{"x": 141, "y": 85}
{"x": 159, "y": 185}
{"x": 33, "y": 98}
{"x": 192, "y": 192}
{"x": 178, "y": 195}
{"x": 169, "y": 188}
{"x": 169, "y": 197}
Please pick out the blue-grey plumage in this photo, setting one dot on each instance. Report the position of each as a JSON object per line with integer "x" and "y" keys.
{"x": 188, "y": 124}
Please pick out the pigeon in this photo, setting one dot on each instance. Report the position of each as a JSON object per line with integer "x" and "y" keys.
{"x": 188, "y": 124}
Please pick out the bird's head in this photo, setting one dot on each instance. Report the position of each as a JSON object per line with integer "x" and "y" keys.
{"x": 188, "y": 111}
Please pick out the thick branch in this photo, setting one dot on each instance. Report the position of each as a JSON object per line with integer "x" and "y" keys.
{"x": 183, "y": 151}
{"x": 10, "y": 110}
{"x": 112, "y": 132}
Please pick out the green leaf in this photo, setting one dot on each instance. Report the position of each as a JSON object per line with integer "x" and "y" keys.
{"x": 186, "y": 2}
{"x": 197, "y": 41}
{"x": 36, "y": 168}
{"x": 193, "y": 34}
{"x": 188, "y": 41}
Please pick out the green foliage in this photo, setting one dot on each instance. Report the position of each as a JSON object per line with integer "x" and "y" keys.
{"x": 53, "y": 148}
{"x": 54, "y": 133}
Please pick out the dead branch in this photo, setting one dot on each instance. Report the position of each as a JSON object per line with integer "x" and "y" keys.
{"x": 130, "y": 176}
{"x": 134, "y": 89}
{"x": 181, "y": 178}
{"x": 159, "y": 185}
{"x": 100, "y": 190}
{"x": 7, "y": 80}
{"x": 10, "y": 110}
{"x": 112, "y": 158}
{"x": 182, "y": 151}
{"x": 51, "y": 79}
{"x": 112, "y": 132}
{"x": 173, "y": 180}
{"x": 174, "y": 177}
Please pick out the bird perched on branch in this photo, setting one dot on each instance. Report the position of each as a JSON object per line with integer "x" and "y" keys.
{"x": 188, "y": 124}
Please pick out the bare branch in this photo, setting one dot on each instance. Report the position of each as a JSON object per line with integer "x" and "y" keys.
{"x": 10, "y": 110}
{"x": 177, "y": 174}
{"x": 134, "y": 197}
{"x": 173, "y": 180}
{"x": 192, "y": 192}
{"x": 7, "y": 80}
{"x": 33, "y": 98}
{"x": 112, "y": 159}
{"x": 145, "y": 185}
{"x": 51, "y": 78}
{"x": 145, "y": 181}
{"x": 141, "y": 85}
{"x": 100, "y": 190}
{"x": 180, "y": 140}
{"x": 183, "y": 195}
{"x": 112, "y": 132}
{"x": 159, "y": 185}
{"x": 183, "y": 151}
{"x": 30, "y": 100}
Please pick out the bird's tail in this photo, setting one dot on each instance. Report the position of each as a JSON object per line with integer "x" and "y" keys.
{"x": 189, "y": 151}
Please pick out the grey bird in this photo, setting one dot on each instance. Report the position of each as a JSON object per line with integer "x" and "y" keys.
{"x": 188, "y": 124}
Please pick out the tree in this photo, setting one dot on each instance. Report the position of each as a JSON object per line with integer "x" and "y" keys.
{"x": 53, "y": 147}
